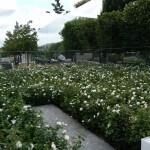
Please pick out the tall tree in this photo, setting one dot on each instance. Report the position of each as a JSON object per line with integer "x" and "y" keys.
{"x": 23, "y": 38}
{"x": 80, "y": 34}
{"x": 115, "y": 5}
{"x": 58, "y": 8}
{"x": 137, "y": 25}
{"x": 109, "y": 30}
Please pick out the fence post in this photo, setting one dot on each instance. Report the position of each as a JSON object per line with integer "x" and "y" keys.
{"x": 27, "y": 58}
{"x": 0, "y": 58}
{"x": 104, "y": 57}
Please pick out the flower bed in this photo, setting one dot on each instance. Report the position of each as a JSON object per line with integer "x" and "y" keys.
{"x": 113, "y": 101}
{"x": 21, "y": 127}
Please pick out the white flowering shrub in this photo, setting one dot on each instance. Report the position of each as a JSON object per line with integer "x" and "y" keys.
{"x": 22, "y": 128}
{"x": 113, "y": 101}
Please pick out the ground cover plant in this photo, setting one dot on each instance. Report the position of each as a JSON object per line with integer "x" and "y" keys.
{"x": 111, "y": 100}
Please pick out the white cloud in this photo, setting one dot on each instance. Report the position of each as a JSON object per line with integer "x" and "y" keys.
{"x": 8, "y": 4}
{"x": 24, "y": 10}
{"x": 22, "y": 15}
{"x": 6, "y": 12}
{"x": 90, "y": 10}
{"x": 48, "y": 38}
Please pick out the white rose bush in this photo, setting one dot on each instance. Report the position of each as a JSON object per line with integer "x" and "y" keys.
{"x": 22, "y": 128}
{"x": 110, "y": 100}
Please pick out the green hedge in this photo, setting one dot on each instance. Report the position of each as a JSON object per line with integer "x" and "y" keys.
{"x": 126, "y": 30}
{"x": 80, "y": 34}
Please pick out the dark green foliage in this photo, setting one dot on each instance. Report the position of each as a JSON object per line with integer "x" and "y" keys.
{"x": 54, "y": 49}
{"x": 127, "y": 30}
{"x": 57, "y": 47}
{"x": 23, "y": 38}
{"x": 109, "y": 30}
{"x": 70, "y": 37}
{"x": 87, "y": 34}
{"x": 80, "y": 34}
{"x": 58, "y": 8}
{"x": 115, "y": 5}
{"x": 137, "y": 24}
{"x": 80, "y": 3}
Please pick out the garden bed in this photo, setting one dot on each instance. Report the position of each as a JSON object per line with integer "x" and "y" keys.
{"x": 113, "y": 101}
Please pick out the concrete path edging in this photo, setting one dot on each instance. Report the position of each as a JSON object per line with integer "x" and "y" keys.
{"x": 52, "y": 114}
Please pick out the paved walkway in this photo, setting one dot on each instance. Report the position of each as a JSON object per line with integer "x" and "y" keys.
{"x": 52, "y": 114}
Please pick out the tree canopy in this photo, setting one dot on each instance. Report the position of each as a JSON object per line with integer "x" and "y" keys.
{"x": 80, "y": 3}
{"x": 137, "y": 23}
{"x": 80, "y": 34}
{"x": 115, "y": 5}
{"x": 109, "y": 30}
{"x": 58, "y": 7}
{"x": 126, "y": 30}
{"x": 57, "y": 47}
{"x": 23, "y": 38}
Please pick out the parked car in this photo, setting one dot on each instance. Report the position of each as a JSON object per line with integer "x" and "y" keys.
{"x": 6, "y": 65}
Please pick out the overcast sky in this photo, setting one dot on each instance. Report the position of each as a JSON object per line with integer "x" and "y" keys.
{"x": 25, "y": 10}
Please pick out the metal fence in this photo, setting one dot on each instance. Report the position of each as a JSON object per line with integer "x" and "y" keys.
{"x": 107, "y": 56}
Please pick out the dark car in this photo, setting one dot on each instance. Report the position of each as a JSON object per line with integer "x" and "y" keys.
{"x": 6, "y": 65}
